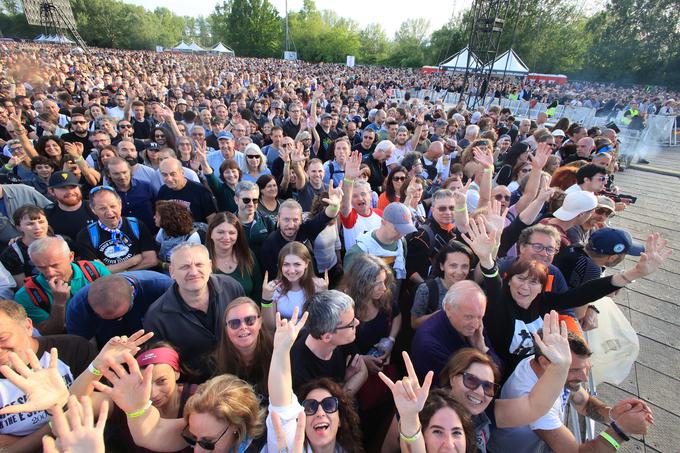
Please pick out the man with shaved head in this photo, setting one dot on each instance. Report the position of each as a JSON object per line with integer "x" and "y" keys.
{"x": 176, "y": 187}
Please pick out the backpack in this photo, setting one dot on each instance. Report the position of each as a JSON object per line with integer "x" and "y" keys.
{"x": 37, "y": 293}
{"x": 93, "y": 231}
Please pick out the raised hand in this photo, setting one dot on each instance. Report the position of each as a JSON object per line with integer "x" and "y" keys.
{"x": 495, "y": 218}
{"x": 269, "y": 287}
{"x": 115, "y": 349}
{"x": 288, "y": 330}
{"x": 298, "y": 154}
{"x": 353, "y": 165}
{"x": 540, "y": 158}
{"x": 321, "y": 284}
{"x": 409, "y": 396}
{"x": 298, "y": 440}
{"x": 334, "y": 196}
{"x": 484, "y": 158}
{"x": 480, "y": 241}
{"x": 78, "y": 432}
{"x": 130, "y": 389}
{"x": 554, "y": 345}
{"x": 44, "y": 387}
{"x": 656, "y": 252}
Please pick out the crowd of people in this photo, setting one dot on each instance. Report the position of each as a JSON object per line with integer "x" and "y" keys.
{"x": 244, "y": 255}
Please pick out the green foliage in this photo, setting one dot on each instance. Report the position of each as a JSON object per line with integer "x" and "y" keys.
{"x": 250, "y": 27}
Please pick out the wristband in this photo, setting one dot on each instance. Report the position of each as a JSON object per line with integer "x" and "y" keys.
{"x": 78, "y": 159}
{"x": 605, "y": 435}
{"x": 333, "y": 208}
{"x": 348, "y": 181}
{"x": 8, "y": 167}
{"x": 463, "y": 209}
{"x": 410, "y": 439}
{"x": 491, "y": 275}
{"x": 269, "y": 305}
{"x": 594, "y": 308}
{"x": 626, "y": 279}
{"x": 93, "y": 370}
{"x": 487, "y": 170}
{"x": 618, "y": 431}
{"x": 140, "y": 412}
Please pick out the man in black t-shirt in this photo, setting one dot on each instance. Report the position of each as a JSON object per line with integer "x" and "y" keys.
{"x": 69, "y": 215}
{"x": 79, "y": 133}
{"x": 194, "y": 196}
{"x": 323, "y": 349}
{"x": 121, "y": 243}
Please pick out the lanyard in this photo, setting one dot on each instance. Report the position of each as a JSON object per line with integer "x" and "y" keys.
{"x": 116, "y": 234}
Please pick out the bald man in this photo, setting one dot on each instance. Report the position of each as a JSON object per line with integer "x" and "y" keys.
{"x": 176, "y": 187}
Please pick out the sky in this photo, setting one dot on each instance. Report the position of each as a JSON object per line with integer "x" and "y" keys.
{"x": 389, "y": 14}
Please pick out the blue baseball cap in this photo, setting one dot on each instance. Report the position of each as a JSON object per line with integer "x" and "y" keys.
{"x": 225, "y": 135}
{"x": 612, "y": 241}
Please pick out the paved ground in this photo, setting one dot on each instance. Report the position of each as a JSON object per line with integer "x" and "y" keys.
{"x": 653, "y": 304}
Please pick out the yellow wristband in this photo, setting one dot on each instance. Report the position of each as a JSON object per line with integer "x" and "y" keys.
{"x": 487, "y": 170}
{"x": 140, "y": 412}
{"x": 463, "y": 209}
{"x": 605, "y": 435}
{"x": 78, "y": 159}
{"x": 269, "y": 305}
{"x": 93, "y": 370}
{"x": 410, "y": 439}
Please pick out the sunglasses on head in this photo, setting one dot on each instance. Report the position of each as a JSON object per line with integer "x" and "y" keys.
{"x": 472, "y": 382}
{"x": 204, "y": 444}
{"x": 329, "y": 405}
{"x": 250, "y": 200}
{"x": 249, "y": 321}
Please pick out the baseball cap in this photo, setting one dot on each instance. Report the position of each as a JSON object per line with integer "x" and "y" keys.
{"x": 326, "y": 116}
{"x": 357, "y": 119}
{"x": 400, "y": 216}
{"x": 182, "y": 101}
{"x": 475, "y": 117}
{"x": 612, "y": 241}
{"x": 62, "y": 179}
{"x": 576, "y": 203}
{"x": 225, "y": 135}
{"x": 606, "y": 202}
{"x": 558, "y": 133}
{"x": 153, "y": 146}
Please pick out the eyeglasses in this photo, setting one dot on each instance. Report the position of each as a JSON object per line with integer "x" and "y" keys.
{"x": 536, "y": 247}
{"x": 204, "y": 444}
{"x": 446, "y": 208}
{"x": 399, "y": 178}
{"x": 501, "y": 197}
{"x": 603, "y": 211}
{"x": 159, "y": 135}
{"x": 472, "y": 382}
{"x": 235, "y": 324}
{"x": 78, "y": 122}
{"x": 253, "y": 156}
{"x": 525, "y": 170}
{"x": 330, "y": 404}
{"x": 250, "y": 200}
{"x": 351, "y": 325}
{"x": 126, "y": 126}
{"x": 602, "y": 178}
{"x": 98, "y": 188}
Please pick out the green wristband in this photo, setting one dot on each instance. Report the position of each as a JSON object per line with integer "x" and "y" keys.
{"x": 463, "y": 209}
{"x": 140, "y": 412}
{"x": 605, "y": 435}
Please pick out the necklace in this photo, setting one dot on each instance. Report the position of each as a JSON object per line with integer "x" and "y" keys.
{"x": 227, "y": 264}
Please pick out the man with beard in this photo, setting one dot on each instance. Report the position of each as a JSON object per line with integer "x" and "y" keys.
{"x": 312, "y": 184}
{"x": 69, "y": 215}
{"x": 127, "y": 151}
{"x": 79, "y": 133}
{"x": 549, "y": 433}
{"x": 404, "y": 143}
{"x": 125, "y": 130}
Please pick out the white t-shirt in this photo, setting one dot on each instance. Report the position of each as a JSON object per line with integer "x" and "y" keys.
{"x": 286, "y": 304}
{"x": 25, "y": 423}
{"x": 355, "y": 224}
{"x": 523, "y": 439}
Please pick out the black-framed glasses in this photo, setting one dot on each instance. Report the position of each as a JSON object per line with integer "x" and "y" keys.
{"x": 603, "y": 211}
{"x": 204, "y": 444}
{"x": 472, "y": 382}
{"x": 330, "y": 404}
{"x": 126, "y": 126}
{"x": 250, "y": 200}
{"x": 253, "y": 156}
{"x": 501, "y": 197}
{"x": 94, "y": 190}
{"x": 536, "y": 247}
{"x": 235, "y": 324}
{"x": 351, "y": 325}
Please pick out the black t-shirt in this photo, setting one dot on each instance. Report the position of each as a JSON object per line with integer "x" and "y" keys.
{"x": 71, "y": 137}
{"x": 142, "y": 129}
{"x": 16, "y": 260}
{"x": 74, "y": 351}
{"x": 364, "y": 152}
{"x": 306, "y": 195}
{"x": 307, "y": 366}
{"x": 69, "y": 223}
{"x": 109, "y": 251}
{"x": 194, "y": 196}
{"x": 326, "y": 141}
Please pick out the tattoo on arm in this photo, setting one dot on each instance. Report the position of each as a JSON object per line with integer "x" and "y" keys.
{"x": 593, "y": 410}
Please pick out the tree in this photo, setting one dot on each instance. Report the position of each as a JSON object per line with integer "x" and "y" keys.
{"x": 449, "y": 39}
{"x": 409, "y": 44}
{"x": 375, "y": 46}
{"x": 250, "y": 27}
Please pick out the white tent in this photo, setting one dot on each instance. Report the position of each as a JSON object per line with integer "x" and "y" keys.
{"x": 55, "y": 39}
{"x": 221, "y": 48}
{"x": 195, "y": 47}
{"x": 510, "y": 64}
{"x": 459, "y": 61}
{"x": 182, "y": 47}
{"x": 40, "y": 38}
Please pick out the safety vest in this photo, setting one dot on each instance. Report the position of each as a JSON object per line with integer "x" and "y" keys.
{"x": 550, "y": 112}
{"x": 628, "y": 119}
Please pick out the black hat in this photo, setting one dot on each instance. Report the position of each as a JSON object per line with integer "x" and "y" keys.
{"x": 63, "y": 179}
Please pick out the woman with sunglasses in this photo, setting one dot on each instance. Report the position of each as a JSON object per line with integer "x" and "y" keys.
{"x": 429, "y": 421}
{"x": 230, "y": 254}
{"x": 392, "y": 187}
{"x": 269, "y": 192}
{"x": 163, "y": 137}
{"x": 223, "y": 414}
{"x": 185, "y": 151}
{"x": 223, "y": 185}
{"x": 245, "y": 347}
{"x": 331, "y": 423}
{"x": 472, "y": 379}
{"x": 294, "y": 284}
{"x": 255, "y": 163}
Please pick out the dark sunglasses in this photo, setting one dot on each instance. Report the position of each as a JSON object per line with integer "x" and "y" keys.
{"x": 253, "y": 156}
{"x": 472, "y": 382}
{"x": 78, "y": 122}
{"x": 501, "y": 197}
{"x": 603, "y": 211}
{"x": 250, "y": 200}
{"x": 127, "y": 126}
{"x": 249, "y": 321}
{"x": 399, "y": 178}
{"x": 446, "y": 208}
{"x": 204, "y": 444}
{"x": 329, "y": 405}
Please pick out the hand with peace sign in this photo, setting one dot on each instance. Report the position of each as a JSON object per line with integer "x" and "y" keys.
{"x": 44, "y": 387}
{"x": 410, "y": 397}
